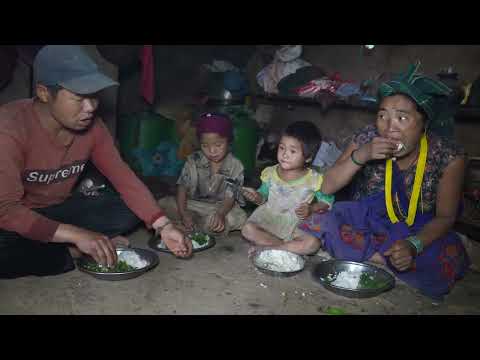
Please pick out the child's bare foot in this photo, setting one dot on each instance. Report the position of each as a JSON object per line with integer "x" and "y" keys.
{"x": 254, "y": 249}
{"x": 257, "y": 248}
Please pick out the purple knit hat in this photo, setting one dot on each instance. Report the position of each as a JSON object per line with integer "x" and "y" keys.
{"x": 215, "y": 123}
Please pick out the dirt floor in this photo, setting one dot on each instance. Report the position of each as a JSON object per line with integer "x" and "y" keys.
{"x": 220, "y": 280}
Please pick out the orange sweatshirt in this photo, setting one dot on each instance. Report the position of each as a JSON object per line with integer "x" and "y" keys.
{"x": 36, "y": 171}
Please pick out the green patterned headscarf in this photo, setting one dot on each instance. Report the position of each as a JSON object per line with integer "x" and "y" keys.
{"x": 423, "y": 90}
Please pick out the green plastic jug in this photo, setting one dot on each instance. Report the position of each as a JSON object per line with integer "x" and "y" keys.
{"x": 143, "y": 130}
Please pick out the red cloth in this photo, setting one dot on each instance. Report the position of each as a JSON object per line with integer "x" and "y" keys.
{"x": 147, "y": 83}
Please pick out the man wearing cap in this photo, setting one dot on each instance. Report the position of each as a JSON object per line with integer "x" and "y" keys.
{"x": 45, "y": 143}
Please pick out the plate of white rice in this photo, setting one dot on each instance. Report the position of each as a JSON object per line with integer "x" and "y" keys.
{"x": 278, "y": 262}
{"x": 353, "y": 279}
{"x": 137, "y": 260}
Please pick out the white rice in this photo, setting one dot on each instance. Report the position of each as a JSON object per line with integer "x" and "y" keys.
{"x": 280, "y": 261}
{"x": 132, "y": 259}
{"x": 348, "y": 279}
{"x": 196, "y": 245}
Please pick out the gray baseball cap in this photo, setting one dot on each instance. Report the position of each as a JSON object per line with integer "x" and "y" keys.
{"x": 70, "y": 67}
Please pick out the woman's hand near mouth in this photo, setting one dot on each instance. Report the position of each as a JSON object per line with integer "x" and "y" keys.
{"x": 379, "y": 148}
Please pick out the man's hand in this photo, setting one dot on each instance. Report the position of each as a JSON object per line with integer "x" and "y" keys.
{"x": 173, "y": 238}
{"x": 96, "y": 245}
{"x": 252, "y": 195}
{"x": 303, "y": 211}
{"x": 100, "y": 248}
{"x": 91, "y": 243}
{"x": 401, "y": 255}
{"x": 216, "y": 222}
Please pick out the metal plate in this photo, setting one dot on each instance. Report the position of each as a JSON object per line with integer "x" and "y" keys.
{"x": 146, "y": 254}
{"x": 322, "y": 270}
{"x": 154, "y": 240}
{"x": 272, "y": 272}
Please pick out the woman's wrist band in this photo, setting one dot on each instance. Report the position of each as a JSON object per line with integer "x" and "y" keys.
{"x": 355, "y": 161}
{"x": 417, "y": 244}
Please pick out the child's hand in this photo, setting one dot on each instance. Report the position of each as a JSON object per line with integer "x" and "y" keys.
{"x": 187, "y": 221}
{"x": 216, "y": 222}
{"x": 303, "y": 211}
{"x": 252, "y": 195}
{"x": 320, "y": 207}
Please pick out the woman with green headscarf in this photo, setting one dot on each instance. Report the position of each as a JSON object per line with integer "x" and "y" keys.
{"x": 407, "y": 191}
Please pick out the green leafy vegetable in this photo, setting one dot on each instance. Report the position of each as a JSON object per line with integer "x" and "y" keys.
{"x": 121, "y": 266}
{"x": 368, "y": 282}
{"x": 200, "y": 239}
{"x": 335, "y": 311}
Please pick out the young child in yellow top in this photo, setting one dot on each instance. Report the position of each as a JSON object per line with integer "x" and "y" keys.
{"x": 287, "y": 193}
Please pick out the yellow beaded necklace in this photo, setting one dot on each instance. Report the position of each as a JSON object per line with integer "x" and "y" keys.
{"x": 417, "y": 185}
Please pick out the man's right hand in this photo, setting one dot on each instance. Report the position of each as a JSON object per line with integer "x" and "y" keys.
{"x": 94, "y": 244}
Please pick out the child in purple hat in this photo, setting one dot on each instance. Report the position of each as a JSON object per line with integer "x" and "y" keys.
{"x": 207, "y": 198}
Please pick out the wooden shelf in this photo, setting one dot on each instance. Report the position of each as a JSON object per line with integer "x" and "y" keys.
{"x": 465, "y": 113}
{"x": 303, "y": 101}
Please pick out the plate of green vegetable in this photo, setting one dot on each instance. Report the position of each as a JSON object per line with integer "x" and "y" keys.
{"x": 352, "y": 279}
{"x": 122, "y": 270}
{"x": 200, "y": 242}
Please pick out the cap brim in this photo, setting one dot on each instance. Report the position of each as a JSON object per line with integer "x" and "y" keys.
{"x": 88, "y": 84}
